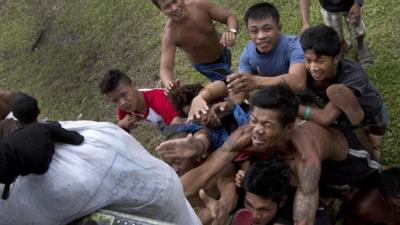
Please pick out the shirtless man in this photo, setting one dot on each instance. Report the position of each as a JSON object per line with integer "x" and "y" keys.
{"x": 190, "y": 27}
{"x": 306, "y": 148}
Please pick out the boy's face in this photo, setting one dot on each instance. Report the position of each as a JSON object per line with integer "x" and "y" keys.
{"x": 263, "y": 209}
{"x": 264, "y": 33}
{"x": 125, "y": 96}
{"x": 321, "y": 67}
{"x": 267, "y": 131}
{"x": 174, "y": 9}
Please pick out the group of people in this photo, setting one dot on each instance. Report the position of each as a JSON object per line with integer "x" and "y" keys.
{"x": 294, "y": 131}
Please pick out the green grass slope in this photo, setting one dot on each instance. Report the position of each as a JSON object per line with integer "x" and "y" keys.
{"x": 53, "y": 49}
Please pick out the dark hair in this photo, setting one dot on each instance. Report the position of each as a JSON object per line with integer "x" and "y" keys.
{"x": 183, "y": 96}
{"x": 279, "y": 97}
{"x": 261, "y": 11}
{"x": 155, "y": 2}
{"x": 389, "y": 183}
{"x": 25, "y": 108}
{"x": 111, "y": 79}
{"x": 268, "y": 179}
{"x": 174, "y": 131}
{"x": 323, "y": 40}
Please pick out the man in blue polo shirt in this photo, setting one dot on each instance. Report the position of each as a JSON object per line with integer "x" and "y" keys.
{"x": 270, "y": 57}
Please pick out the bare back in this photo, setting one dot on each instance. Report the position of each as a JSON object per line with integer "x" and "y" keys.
{"x": 324, "y": 142}
{"x": 196, "y": 36}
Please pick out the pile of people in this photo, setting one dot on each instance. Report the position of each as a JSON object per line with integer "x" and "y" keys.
{"x": 293, "y": 137}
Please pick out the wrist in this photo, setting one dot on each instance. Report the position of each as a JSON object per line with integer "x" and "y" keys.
{"x": 233, "y": 30}
{"x": 307, "y": 112}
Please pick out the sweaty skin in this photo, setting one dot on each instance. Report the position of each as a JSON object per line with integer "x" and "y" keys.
{"x": 305, "y": 146}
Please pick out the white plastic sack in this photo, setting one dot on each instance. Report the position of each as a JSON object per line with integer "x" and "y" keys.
{"x": 110, "y": 169}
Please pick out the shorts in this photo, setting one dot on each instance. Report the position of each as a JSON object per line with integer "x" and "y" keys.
{"x": 357, "y": 170}
{"x": 379, "y": 121}
{"x": 334, "y": 20}
{"x": 217, "y": 70}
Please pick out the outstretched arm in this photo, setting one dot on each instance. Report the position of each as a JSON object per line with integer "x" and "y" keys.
{"x": 168, "y": 49}
{"x": 196, "y": 178}
{"x": 245, "y": 82}
{"x": 210, "y": 93}
{"x": 192, "y": 145}
{"x": 307, "y": 194}
{"x": 218, "y": 210}
{"x": 305, "y": 13}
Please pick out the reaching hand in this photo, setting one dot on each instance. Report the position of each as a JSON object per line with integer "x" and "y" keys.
{"x": 239, "y": 177}
{"x": 221, "y": 109}
{"x": 128, "y": 122}
{"x": 241, "y": 82}
{"x": 219, "y": 212}
{"x": 239, "y": 139}
{"x": 198, "y": 109}
{"x": 169, "y": 85}
{"x": 182, "y": 148}
{"x": 228, "y": 39}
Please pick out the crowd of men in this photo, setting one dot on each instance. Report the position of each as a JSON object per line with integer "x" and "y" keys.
{"x": 294, "y": 136}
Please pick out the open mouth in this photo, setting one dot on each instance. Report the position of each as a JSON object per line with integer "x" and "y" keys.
{"x": 257, "y": 140}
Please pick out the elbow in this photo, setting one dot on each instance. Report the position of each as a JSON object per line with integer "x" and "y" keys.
{"x": 299, "y": 87}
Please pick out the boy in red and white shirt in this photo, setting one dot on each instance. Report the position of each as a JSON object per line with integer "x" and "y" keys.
{"x": 136, "y": 104}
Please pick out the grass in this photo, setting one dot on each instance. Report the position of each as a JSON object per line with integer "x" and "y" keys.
{"x": 54, "y": 50}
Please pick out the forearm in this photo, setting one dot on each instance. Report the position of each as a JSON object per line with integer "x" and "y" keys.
{"x": 305, "y": 208}
{"x": 229, "y": 196}
{"x": 232, "y": 23}
{"x": 196, "y": 178}
{"x": 166, "y": 74}
{"x": 263, "y": 81}
{"x": 202, "y": 138}
{"x": 213, "y": 91}
{"x": 324, "y": 117}
{"x": 305, "y": 11}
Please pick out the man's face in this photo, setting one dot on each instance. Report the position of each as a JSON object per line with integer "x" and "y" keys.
{"x": 264, "y": 33}
{"x": 264, "y": 210}
{"x": 267, "y": 131}
{"x": 321, "y": 67}
{"x": 125, "y": 96}
{"x": 174, "y": 9}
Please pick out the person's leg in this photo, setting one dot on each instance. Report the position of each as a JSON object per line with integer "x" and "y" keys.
{"x": 364, "y": 57}
{"x": 334, "y": 20}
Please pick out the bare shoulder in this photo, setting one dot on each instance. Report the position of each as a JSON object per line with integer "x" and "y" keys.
{"x": 169, "y": 30}
{"x": 201, "y": 4}
{"x": 326, "y": 142}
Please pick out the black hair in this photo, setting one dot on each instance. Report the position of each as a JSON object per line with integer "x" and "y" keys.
{"x": 268, "y": 179}
{"x": 280, "y": 97}
{"x": 111, "y": 79}
{"x": 174, "y": 131}
{"x": 323, "y": 40}
{"x": 183, "y": 96}
{"x": 155, "y": 2}
{"x": 25, "y": 108}
{"x": 261, "y": 11}
{"x": 389, "y": 183}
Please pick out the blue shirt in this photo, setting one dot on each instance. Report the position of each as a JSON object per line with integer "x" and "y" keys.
{"x": 287, "y": 51}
